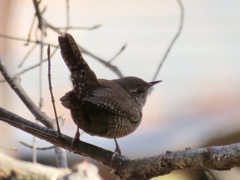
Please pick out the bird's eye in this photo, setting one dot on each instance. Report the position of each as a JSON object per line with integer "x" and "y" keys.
{"x": 137, "y": 90}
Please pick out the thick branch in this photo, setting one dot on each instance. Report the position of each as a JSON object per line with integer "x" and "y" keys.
{"x": 216, "y": 157}
{"x": 52, "y": 136}
{"x": 16, "y": 86}
{"x": 42, "y": 117}
{"x": 14, "y": 169}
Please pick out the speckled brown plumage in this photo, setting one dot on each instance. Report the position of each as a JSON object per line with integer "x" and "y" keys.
{"x": 105, "y": 108}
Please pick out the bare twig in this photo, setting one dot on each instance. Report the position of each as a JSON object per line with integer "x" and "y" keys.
{"x": 67, "y": 16}
{"x": 26, "y": 40}
{"x": 36, "y": 65}
{"x": 30, "y": 31}
{"x": 118, "y": 53}
{"x": 83, "y": 50}
{"x": 51, "y": 90}
{"x": 79, "y": 28}
{"x": 173, "y": 40}
{"x": 108, "y": 65}
{"x": 9, "y": 148}
{"x": 56, "y": 30}
{"x": 38, "y": 13}
{"x": 34, "y": 152}
{"x": 38, "y": 148}
{"x": 15, "y": 85}
{"x": 51, "y": 136}
{"x": 40, "y": 18}
{"x": 42, "y": 117}
{"x": 60, "y": 153}
{"x": 215, "y": 157}
{"x": 42, "y": 28}
{"x": 26, "y": 56}
{"x": 32, "y": 67}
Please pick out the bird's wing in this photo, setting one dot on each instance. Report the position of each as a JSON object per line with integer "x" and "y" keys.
{"x": 114, "y": 103}
{"x": 67, "y": 98}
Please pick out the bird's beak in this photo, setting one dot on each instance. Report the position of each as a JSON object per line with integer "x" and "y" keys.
{"x": 153, "y": 83}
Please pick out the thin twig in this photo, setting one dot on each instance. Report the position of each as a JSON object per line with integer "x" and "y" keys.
{"x": 36, "y": 65}
{"x": 42, "y": 30}
{"x": 53, "y": 28}
{"x": 51, "y": 90}
{"x": 31, "y": 67}
{"x": 26, "y": 56}
{"x": 61, "y": 158}
{"x": 40, "y": 104}
{"x": 79, "y": 28}
{"x": 38, "y": 13}
{"x": 33, "y": 21}
{"x": 15, "y": 85}
{"x": 173, "y": 40}
{"x": 108, "y": 65}
{"x": 30, "y": 30}
{"x": 34, "y": 152}
{"x": 118, "y": 53}
{"x": 38, "y": 148}
{"x": 67, "y": 16}
{"x": 26, "y": 40}
{"x": 83, "y": 50}
{"x": 9, "y": 148}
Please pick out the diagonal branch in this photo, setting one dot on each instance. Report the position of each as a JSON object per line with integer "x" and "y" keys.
{"x": 41, "y": 116}
{"x": 215, "y": 157}
{"x": 16, "y": 86}
{"x": 52, "y": 136}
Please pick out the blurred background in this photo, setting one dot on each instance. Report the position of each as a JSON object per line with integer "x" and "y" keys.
{"x": 196, "y": 105}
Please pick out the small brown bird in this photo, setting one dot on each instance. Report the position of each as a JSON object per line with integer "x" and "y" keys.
{"x": 105, "y": 108}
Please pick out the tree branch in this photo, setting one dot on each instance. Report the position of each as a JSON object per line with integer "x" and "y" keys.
{"x": 14, "y": 169}
{"x": 215, "y": 157}
{"x": 83, "y": 50}
{"x": 16, "y": 86}
{"x": 173, "y": 40}
{"x": 42, "y": 117}
{"x": 52, "y": 136}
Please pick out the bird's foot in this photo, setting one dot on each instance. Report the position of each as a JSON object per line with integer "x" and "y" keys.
{"x": 117, "y": 150}
{"x": 76, "y": 138}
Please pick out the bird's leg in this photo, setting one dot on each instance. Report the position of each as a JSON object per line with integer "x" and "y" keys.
{"x": 117, "y": 150}
{"x": 76, "y": 137}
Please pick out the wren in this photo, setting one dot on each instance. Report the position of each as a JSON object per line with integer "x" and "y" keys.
{"x": 100, "y": 107}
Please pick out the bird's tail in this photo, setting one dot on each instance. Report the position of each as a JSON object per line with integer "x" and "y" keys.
{"x": 81, "y": 74}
